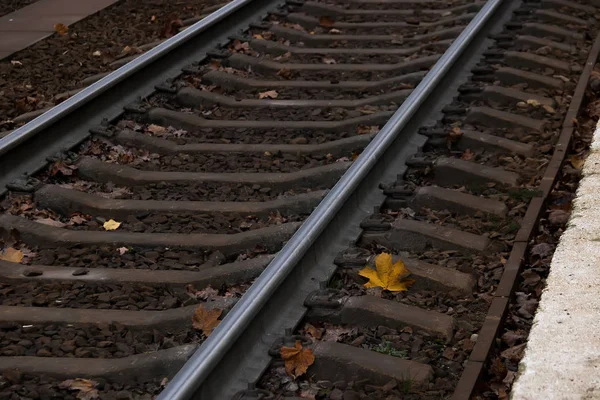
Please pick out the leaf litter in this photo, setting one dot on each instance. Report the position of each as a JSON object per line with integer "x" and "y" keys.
{"x": 86, "y": 388}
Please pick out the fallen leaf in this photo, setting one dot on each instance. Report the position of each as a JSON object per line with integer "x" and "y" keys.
{"x": 527, "y": 306}
{"x": 367, "y": 129}
{"x": 334, "y": 334}
{"x": 122, "y": 250}
{"x": 542, "y": 250}
{"x": 530, "y": 278}
{"x": 206, "y": 320}
{"x": 156, "y": 129}
{"x": 388, "y": 276}
{"x": 97, "y": 53}
{"x": 11, "y": 254}
{"x": 326, "y": 21}
{"x": 335, "y": 31}
{"x": 329, "y": 60}
{"x": 171, "y": 27}
{"x": 205, "y": 294}
{"x": 577, "y": 162}
{"x": 271, "y": 94}
{"x": 153, "y": 18}
{"x": 562, "y": 78}
{"x": 237, "y": 45}
{"x": 15, "y": 62}
{"x": 85, "y": 387}
{"x": 558, "y": 217}
{"x": 164, "y": 382}
{"x": 498, "y": 368}
{"x": 514, "y": 353}
{"x": 62, "y": 167}
{"x": 313, "y": 331}
{"x": 453, "y": 136}
{"x": 285, "y": 73}
{"x": 51, "y": 222}
{"x": 111, "y": 225}
{"x": 77, "y": 220}
{"x": 297, "y": 359}
{"x": 533, "y": 103}
{"x": 467, "y": 155}
{"x": 511, "y": 338}
{"x": 61, "y": 29}
{"x": 549, "y": 110}
{"x": 214, "y": 64}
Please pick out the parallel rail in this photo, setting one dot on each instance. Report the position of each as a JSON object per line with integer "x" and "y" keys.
{"x": 461, "y": 153}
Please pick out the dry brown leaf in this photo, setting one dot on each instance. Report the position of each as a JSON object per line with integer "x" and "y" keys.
{"x": 329, "y": 60}
{"x": 16, "y": 62}
{"x": 214, "y": 64}
{"x": 577, "y": 162}
{"x": 367, "y": 129}
{"x": 313, "y": 331}
{"x": 271, "y": 94}
{"x": 78, "y": 219}
{"x": 206, "y": 320}
{"x": 156, "y": 129}
{"x": 205, "y": 294}
{"x": 388, "y": 276}
{"x": 297, "y": 359}
{"x": 62, "y": 167}
{"x": 533, "y": 103}
{"x": 548, "y": 109}
{"x": 335, "y": 31}
{"x": 285, "y": 73}
{"x": 326, "y": 21}
{"x": 11, "y": 254}
{"x": 171, "y": 27}
{"x": 453, "y": 136}
{"x": 51, "y": 222}
{"x": 86, "y": 388}
{"x": 237, "y": 45}
{"x": 467, "y": 155}
{"x": 153, "y": 18}
{"x": 122, "y": 250}
{"x": 335, "y": 333}
{"x": 61, "y": 29}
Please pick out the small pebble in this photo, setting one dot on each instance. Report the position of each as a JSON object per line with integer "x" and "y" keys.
{"x": 32, "y": 272}
{"x": 80, "y": 271}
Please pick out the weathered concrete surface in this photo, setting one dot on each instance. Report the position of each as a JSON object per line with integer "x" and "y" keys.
{"x": 562, "y": 359}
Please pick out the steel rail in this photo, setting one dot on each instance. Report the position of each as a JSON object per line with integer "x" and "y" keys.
{"x": 45, "y": 120}
{"x": 204, "y": 360}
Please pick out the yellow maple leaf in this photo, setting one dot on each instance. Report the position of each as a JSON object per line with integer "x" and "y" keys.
{"x": 388, "y": 276}
{"x": 206, "y": 320}
{"x": 297, "y": 359}
{"x": 111, "y": 225}
{"x": 12, "y": 255}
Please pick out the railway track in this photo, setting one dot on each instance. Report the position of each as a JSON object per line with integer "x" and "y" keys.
{"x": 210, "y": 175}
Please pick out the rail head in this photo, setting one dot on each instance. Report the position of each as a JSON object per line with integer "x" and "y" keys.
{"x": 207, "y": 357}
{"x": 53, "y": 115}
